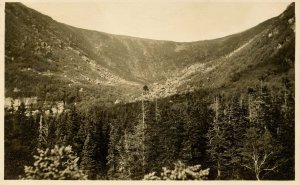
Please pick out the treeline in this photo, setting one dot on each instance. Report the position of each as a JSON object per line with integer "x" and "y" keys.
{"x": 243, "y": 136}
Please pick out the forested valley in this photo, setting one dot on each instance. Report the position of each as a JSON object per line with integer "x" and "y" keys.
{"x": 248, "y": 135}
{"x": 98, "y": 106}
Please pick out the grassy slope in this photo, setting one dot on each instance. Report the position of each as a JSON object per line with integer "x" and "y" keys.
{"x": 136, "y": 59}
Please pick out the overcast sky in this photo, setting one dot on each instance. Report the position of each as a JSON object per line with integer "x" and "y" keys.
{"x": 177, "y": 21}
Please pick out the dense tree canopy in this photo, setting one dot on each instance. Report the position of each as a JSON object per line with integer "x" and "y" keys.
{"x": 233, "y": 135}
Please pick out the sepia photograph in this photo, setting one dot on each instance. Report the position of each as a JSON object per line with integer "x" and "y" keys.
{"x": 149, "y": 90}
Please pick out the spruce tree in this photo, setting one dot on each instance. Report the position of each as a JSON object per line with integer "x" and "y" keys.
{"x": 236, "y": 130}
{"x": 88, "y": 162}
{"x": 217, "y": 140}
{"x": 286, "y": 130}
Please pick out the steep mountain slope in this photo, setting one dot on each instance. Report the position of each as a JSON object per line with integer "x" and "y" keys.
{"x": 152, "y": 60}
{"x": 44, "y": 55}
{"x": 267, "y": 56}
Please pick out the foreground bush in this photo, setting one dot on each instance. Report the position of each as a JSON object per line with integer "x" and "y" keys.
{"x": 180, "y": 172}
{"x": 56, "y": 164}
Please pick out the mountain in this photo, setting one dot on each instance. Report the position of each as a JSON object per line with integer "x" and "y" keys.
{"x": 46, "y": 58}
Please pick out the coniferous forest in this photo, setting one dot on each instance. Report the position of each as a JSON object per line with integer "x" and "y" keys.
{"x": 237, "y": 136}
{"x": 88, "y": 105}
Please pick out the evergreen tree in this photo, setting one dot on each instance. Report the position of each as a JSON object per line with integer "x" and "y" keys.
{"x": 237, "y": 125}
{"x": 88, "y": 162}
{"x": 59, "y": 163}
{"x": 72, "y": 126}
{"x": 114, "y": 151}
{"x": 111, "y": 157}
{"x": 20, "y": 140}
{"x": 197, "y": 117}
{"x": 152, "y": 137}
{"x": 217, "y": 140}
{"x": 286, "y": 130}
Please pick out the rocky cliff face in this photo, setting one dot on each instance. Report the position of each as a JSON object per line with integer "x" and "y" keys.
{"x": 41, "y": 53}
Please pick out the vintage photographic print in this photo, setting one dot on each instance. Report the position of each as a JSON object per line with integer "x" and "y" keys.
{"x": 149, "y": 90}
